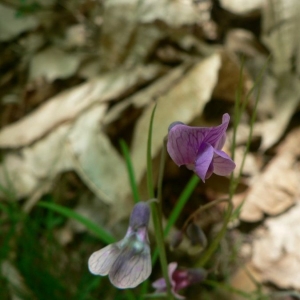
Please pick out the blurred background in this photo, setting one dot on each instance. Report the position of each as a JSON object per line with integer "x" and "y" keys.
{"x": 78, "y": 76}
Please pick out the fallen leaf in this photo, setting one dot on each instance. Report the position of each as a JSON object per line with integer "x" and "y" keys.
{"x": 183, "y": 102}
{"x": 95, "y": 159}
{"x": 229, "y": 74}
{"x": 241, "y": 7}
{"x": 143, "y": 97}
{"x": 276, "y": 250}
{"x": 280, "y": 34}
{"x": 173, "y": 13}
{"x": 12, "y": 25}
{"x": 69, "y": 104}
{"x": 53, "y": 63}
{"x": 140, "y": 32}
{"x": 243, "y": 280}
{"x": 79, "y": 146}
{"x": 277, "y": 187}
{"x": 286, "y": 101}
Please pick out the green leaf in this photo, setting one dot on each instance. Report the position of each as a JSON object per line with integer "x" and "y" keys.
{"x": 103, "y": 235}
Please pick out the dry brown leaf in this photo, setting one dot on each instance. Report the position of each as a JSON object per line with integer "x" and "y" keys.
{"x": 118, "y": 14}
{"x": 140, "y": 32}
{"x": 95, "y": 159}
{"x": 183, "y": 102}
{"x": 243, "y": 41}
{"x": 243, "y": 280}
{"x": 229, "y": 74}
{"x": 286, "y": 102}
{"x": 252, "y": 164}
{"x": 143, "y": 97}
{"x": 79, "y": 146}
{"x": 53, "y": 63}
{"x": 276, "y": 250}
{"x": 11, "y": 25}
{"x": 277, "y": 188}
{"x": 280, "y": 21}
{"x": 68, "y": 105}
{"x": 241, "y": 7}
{"x": 174, "y": 13}
{"x": 280, "y": 32}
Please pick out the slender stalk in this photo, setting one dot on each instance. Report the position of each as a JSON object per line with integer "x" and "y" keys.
{"x": 239, "y": 109}
{"x": 215, "y": 242}
{"x": 134, "y": 188}
{"x": 183, "y": 198}
{"x": 201, "y": 209}
{"x": 161, "y": 173}
{"x": 157, "y": 221}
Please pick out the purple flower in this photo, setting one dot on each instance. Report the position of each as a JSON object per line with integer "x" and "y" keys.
{"x": 199, "y": 148}
{"x": 127, "y": 262}
{"x": 179, "y": 279}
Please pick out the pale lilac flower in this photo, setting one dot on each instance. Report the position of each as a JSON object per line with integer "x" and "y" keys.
{"x": 127, "y": 262}
{"x": 199, "y": 148}
{"x": 179, "y": 279}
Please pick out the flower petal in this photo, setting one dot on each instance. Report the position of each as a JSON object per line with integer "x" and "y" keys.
{"x": 203, "y": 161}
{"x": 159, "y": 285}
{"x": 222, "y": 163}
{"x": 217, "y": 135}
{"x": 171, "y": 269}
{"x": 140, "y": 215}
{"x": 100, "y": 262}
{"x": 184, "y": 142}
{"x": 132, "y": 267}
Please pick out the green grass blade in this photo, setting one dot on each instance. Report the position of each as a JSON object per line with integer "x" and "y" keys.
{"x": 149, "y": 157}
{"x": 133, "y": 184}
{"x": 103, "y": 235}
{"x": 184, "y": 196}
{"x": 156, "y": 215}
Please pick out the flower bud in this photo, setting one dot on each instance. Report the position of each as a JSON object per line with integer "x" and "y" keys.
{"x": 176, "y": 240}
{"x": 140, "y": 216}
{"x": 196, "y": 235}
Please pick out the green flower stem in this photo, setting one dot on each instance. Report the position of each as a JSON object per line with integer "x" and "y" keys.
{"x": 183, "y": 198}
{"x": 161, "y": 173}
{"x": 239, "y": 109}
{"x": 156, "y": 216}
{"x": 200, "y": 210}
{"x": 134, "y": 188}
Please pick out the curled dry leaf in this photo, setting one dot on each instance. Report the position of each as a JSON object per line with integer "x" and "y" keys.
{"x": 79, "y": 146}
{"x": 65, "y": 134}
{"x": 184, "y": 101}
{"x": 68, "y": 105}
{"x": 276, "y": 250}
{"x": 140, "y": 34}
{"x": 277, "y": 188}
{"x": 145, "y": 96}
